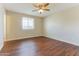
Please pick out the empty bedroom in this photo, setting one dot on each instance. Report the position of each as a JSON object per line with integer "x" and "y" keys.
{"x": 39, "y": 29}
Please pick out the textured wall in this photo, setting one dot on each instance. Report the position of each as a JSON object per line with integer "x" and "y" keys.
{"x": 14, "y": 26}
{"x": 1, "y": 25}
{"x": 63, "y": 25}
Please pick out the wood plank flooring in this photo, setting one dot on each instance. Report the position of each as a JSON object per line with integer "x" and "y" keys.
{"x": 39, "y": 46}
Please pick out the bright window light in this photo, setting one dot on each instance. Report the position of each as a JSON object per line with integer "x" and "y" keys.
{"x": 27, "y": 23}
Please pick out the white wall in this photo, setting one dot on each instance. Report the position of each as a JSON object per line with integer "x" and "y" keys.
{"x": 63, "y": 26}
{"x": 1, "y": 25}
{"x": 14, "y": 26}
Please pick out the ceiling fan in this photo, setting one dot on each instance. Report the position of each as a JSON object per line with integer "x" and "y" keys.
{"x": 41, "y": 7}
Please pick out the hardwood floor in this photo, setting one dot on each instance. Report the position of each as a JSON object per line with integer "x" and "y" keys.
{"x": 39, "y": 46}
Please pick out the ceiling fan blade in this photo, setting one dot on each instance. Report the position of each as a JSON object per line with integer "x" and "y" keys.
{"x": 36, "y": 6}
{"x": 45, "y": 5}
{"x": 46, "y": 9}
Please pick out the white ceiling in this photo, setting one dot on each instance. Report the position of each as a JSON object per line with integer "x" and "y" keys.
{"x": 28, "y": 7}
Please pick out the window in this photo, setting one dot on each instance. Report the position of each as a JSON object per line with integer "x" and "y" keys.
{"x": 27, "y": 23}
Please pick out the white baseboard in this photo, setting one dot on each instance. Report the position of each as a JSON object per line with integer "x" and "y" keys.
{"x": 19, "y": 38}
{"x": 45, "y": 36}
{"x": 63, "y": 41}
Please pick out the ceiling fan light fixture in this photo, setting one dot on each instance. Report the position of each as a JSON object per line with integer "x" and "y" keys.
{"x": 40, "y": 11}
{"x": 41, "y": 7}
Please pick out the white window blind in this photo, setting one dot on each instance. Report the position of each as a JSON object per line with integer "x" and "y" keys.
{"x": 27, "y": 23}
